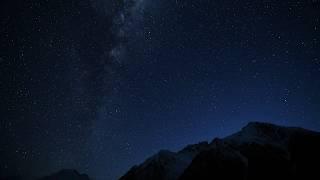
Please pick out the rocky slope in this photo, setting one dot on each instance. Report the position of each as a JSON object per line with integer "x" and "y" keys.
{"x": 259, "y": 151}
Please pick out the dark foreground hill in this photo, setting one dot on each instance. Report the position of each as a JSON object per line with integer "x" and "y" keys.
{"x": 259, "y": 151}
{"x": 65, "y": 174}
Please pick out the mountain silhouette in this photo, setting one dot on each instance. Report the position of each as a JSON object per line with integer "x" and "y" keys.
{"x": 259, "y": 151}
{"x": 64, "y": 174}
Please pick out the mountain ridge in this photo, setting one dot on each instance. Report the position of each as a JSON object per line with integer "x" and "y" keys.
{"x": 257, "y": 143}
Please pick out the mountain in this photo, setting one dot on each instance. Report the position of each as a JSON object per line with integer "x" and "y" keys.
{"x": 259, "y": 151}
{"x": 66, "y": 174}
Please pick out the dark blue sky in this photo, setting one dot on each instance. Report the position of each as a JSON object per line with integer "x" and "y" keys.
{"x": 99, "y": 85}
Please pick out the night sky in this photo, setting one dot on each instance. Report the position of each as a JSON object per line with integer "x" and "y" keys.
{"x": 100, "y": 85}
